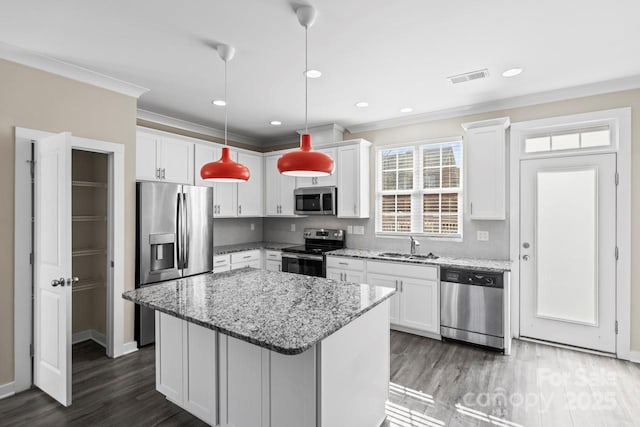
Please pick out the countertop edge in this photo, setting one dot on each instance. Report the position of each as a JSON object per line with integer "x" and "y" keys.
{"x": 286, "y": 351}
{"x": 434, "y": 262}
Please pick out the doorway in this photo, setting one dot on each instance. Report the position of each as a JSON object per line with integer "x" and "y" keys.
{"x": 570, "y": 231}
{"x": 72, "y": 252}
{"x": 568, "y": 240}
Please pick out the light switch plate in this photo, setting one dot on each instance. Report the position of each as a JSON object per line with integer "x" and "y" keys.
{"x": 293, "y": 227}
{"x": 358, "y": 229}
{"x": 349, "y": 229}
{"x": 483, "y": 236}
{"x": 253, "y": 227}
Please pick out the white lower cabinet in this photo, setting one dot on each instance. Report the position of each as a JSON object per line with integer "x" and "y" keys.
{"x": 345, "y": 269}
{"x": 221, "y": 263}
{"x": 184, "y": 372}
{"x": 273, "y": 265}
{"x": 244, "y": 259}
{"x": 417, "y": 303}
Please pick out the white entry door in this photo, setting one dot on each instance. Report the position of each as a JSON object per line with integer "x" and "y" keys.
{"x": 567, "y": 250}
{"x": 52, "y": 267}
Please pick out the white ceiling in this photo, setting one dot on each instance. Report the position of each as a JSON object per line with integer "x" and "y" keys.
{"x": 391, "y": 54}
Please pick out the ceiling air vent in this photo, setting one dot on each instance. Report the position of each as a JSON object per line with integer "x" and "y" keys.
{"x": 466, "y": 77}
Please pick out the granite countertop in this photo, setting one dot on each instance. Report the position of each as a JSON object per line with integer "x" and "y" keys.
{"x": 284, "y": 312}
{"x": 228, "y": 249}
{"x": 475, "y": 263}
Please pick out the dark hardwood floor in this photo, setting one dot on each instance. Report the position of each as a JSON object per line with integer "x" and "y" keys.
{"x": 433, "y": 384}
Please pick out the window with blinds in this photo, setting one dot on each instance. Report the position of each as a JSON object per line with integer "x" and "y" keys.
{"x": 419, "y": 189}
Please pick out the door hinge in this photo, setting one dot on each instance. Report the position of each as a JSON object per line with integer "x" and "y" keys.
{"x": 31, "y": 258}
{"x": 616, "y": 327}
{"x": 32, "y": 168}
{"x": 617, "y": 254}
{"x": 617, "y": 178}
{"x": 31, "y": 353}
{"x": 111, "y": 264}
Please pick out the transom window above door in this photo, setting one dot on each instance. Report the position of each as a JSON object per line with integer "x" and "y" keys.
{"x": 419, "y": 189}
{"x": 572, "y": 139}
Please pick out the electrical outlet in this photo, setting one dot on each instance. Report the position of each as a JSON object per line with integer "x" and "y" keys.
{"x": 358, "y": 229}
{"x": 483, "y": 236}
{"x": 293, "y": 227}
{"x": 253, "y": 227}
{"x": 349, "y": 229}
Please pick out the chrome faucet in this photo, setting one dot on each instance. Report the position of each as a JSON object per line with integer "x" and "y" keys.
{"x": 414, "y": 243}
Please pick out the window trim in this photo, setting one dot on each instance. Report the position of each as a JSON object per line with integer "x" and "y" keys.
{"x": 417, "y": 192}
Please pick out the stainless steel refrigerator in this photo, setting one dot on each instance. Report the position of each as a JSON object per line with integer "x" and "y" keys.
{"x": 174, "y": 239}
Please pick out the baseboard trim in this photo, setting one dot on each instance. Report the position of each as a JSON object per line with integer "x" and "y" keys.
{"x": 631, "y": 356}
{"x": 417, "y": 332}
{"x": 7, "y": 390}
{"x": 89, "y": 334}
{"x": 129, "y": 347}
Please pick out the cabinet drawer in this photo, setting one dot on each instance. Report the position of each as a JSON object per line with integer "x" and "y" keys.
{"x": 273, "y": 255}
{"x": 245, "y": 256}
{"x": 426, "y": 272}
{"x": 220, "y": 261}
{"x": 249, "y": 263}
{"x": 345, "y": 263}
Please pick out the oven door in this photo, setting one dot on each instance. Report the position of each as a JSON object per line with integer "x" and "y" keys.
{"x": 310, "y": 265}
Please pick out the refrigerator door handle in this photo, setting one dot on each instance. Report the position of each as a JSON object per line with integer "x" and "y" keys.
{"x": 179, "y": 232}
{"x": 187, "y": 229}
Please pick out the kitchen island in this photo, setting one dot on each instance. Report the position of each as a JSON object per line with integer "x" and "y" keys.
{"x": 256, "y": 348}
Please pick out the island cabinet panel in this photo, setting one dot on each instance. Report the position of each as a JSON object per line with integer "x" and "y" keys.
{"x": 185, "y": 365}
{"x": 354, "y": 371}
{"x": 169, "y": 352}
{"x": 293, "y": 389}
{"x": 388, "y": 281}
{"x": 243, "y": 378}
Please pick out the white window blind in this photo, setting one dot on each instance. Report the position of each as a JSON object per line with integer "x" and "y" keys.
{"x": 419, "y": 189}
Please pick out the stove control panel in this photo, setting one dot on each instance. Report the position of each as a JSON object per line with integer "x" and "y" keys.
{"x": 323, "y": 234}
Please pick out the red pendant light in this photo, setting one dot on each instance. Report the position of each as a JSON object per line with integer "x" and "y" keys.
{"x": 306, "y": 161}
{"x": 225, "y": 169}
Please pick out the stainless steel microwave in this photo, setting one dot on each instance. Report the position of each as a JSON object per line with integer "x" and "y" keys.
{"x": 316, "y": 200}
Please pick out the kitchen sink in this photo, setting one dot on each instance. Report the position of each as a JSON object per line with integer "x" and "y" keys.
{"x": 408, "y": 256}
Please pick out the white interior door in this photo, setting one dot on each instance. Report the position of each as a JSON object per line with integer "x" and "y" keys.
{"x": 567, "y": 250}
{"x": 52, "y": 261}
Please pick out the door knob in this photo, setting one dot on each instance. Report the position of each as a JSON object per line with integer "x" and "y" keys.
{"x": 525, "y": 245}
{"x": 58, "y": 282}
{"x": 525, "y": 257}
{"x": 72, "y": 280}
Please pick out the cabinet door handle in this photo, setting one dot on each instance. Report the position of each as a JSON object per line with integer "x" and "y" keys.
{"x": 239, "y": 209}
{"x": 401, "y": 286}
{"x": 158, "y": 173}
{"x": 279, "y": 267}
{"x": 343, "y": 263}
{"x": 396, "y": 285}
{"x": 471, "y": 208}
{"x": 246, "y": 256}
{"x": 164, "y": 173}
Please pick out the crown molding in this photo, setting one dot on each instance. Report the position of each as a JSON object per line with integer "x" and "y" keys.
{"x": 503, "y": 122}
{"x": 150, "y": 116}
{"x": 617, "y": 85}
{"x": 74, "y": 72}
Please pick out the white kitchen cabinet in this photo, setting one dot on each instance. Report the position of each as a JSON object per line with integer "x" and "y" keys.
{"x": 250, "y": 193}
{"x": 221, "y": 263}
{"x": 273, "y": 260}
{"x": 353, "y": 180}
{"x": 251, "y": 258}
{"x": 203, "y": 154}
{"x": 417, "y": 303}
{"x": 321, "y": 181}
{"x": 485, "y": 171}
{"x": 164, "y": 159}
{"x": 184, "y": 372}
{"x": 273, "y": 265}
{"x": 387, "y": 281}
{"x": 345, "y": 269}
{"x": 278, "y": 189}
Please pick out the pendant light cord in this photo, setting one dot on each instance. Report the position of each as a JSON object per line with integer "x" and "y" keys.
{"x": 306, "y": 79}
{"x": 226, "y": 103}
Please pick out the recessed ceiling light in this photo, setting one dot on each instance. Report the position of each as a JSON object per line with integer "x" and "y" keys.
{"x": 219, "y": 102}
{"x": 362, "y": 104}
{"x": 512, "y": 72}
{"x": 313, "y": 74}
{"x": 406, "y": 109}
{"x": 275, "y": 122}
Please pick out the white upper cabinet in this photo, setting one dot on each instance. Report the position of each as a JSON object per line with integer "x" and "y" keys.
{"x": 250, "y": 193}
{"x": 224, "y": 194}
{"x": 321, "y": 181}
{"x": 278, "y": 189}
{"x": 485, "y": 177}
{"x": 353, "y": 180}
{"x": 160, "y": 158}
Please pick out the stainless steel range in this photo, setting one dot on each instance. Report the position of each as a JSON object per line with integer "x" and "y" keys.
{"x": 309, "y": 258}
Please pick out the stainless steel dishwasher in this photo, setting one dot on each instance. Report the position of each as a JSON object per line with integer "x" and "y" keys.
{"x": 472, "y": 306}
